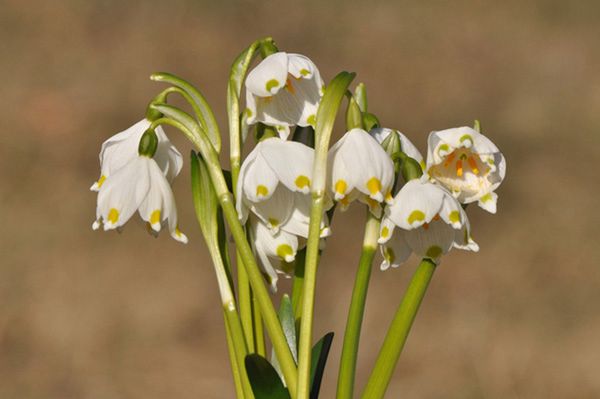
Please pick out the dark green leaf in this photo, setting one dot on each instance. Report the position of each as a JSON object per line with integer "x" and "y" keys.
{"x": 318, "y": 360}
{"x": 264, "y": 380}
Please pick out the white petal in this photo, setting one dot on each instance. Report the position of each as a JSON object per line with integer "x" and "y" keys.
{"x": 395, "y": 252}
{"x": 452, "y": 212}
{"x": 121, "y": 148}
{"x": 276, "y": 210}
{"x": 415, "y": 204}
{"x": 431, "y": 242}
{"x": 123, "y": 192}
{"x": 292, "y": 162}
{"x": 301, "y": 66}
{"x": 488, "y": 202}
{"x": 386, "y": 230}
{"x": 167, "y": 157}
{"x": 259, "y": 181}
{"x": 269, "y": 76}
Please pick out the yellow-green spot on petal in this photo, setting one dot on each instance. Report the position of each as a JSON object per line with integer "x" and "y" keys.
{"x": 374, "y": 185}
{"x": 178, "y": 232}
{"x": 248, "y": 112}
{"x": 341, "y": 186}
{"x": 304, "y": 72}
{"x": 155, "y": 217}
{"x": 101, "y": 181}
{"x": 311, "y": 120}
{"x": 284, "y": 250}
{"x": 422, "y": 164}
{"x": 443, "y": 147}
{"x": 113, "y": 215}
{"x": 302, "y": 181}
{"x": 416, "y": 216}
{"x": 273, "y": 222}
{"x": 262, "y": 191}
{"x": 454, "y": 217}
{"x": 271, "y": 84}
{"x": 486, "y": 198}
{"x": 385, "y": 232}
{"x": 434, "y": 252}
{"x": 465, "y": 137}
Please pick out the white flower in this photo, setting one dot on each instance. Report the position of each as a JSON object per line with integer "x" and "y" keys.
{"x": 275, "y": 250}
{"x": 282, "y": 91}
{"x": 430, "y": 221}
{"x": 121, "y": 148}
{"x": 360, "y": 169}
{"x": 270, "y": 177}
{"x": 468, "y": 164}
{"x": 139, "y": 184}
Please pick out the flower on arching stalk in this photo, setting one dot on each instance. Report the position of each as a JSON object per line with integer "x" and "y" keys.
{"x": 283, "y": 90}
{"x": 140, "y": 184}
{"x": 274, "y": 179}
{"x": 468, "y": 164}
{"x": 121, "y": 148}
{"x": 381, "y": 134}
{"x": 430, "y": 222}
{"x": 360, "y": 169}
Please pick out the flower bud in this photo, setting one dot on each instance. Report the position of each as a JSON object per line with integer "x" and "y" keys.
{"x": 148, "y": 143}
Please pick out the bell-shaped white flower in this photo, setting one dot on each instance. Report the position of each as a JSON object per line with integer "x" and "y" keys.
{"x": 468, "y": 164}
{"x": 283, "y": 90}
{"x": 430, "y": 222}
{"x": 275, "y": 250}
{"x": 140, "y": 184}
{"x": 270, "y": 176}
{"x": 121, "y": 148}
{"x": 360, "y": 169}
{"x": 382, "y": 133}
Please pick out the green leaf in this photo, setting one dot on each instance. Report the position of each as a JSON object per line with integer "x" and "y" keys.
{"x": 264, "y": 380}
{"x": 353, "y": 115}
{"x": 318, "y": 360}
{"x": 360, "y": 94}
{"x": 288, "y": 324}
{"x": 204, "y": 113}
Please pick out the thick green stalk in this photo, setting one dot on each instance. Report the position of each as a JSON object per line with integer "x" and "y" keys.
{"x": 245, "y": 301}
{"x": 298, "y": 283}
{"x": 398, "y": 332}
{"x": 239, "y": 344}
{"x": 257, "y": 323}
{"x": 194, "y": 133}
{"x": 235, "y": 368}
{"x": 330, "y": 103}
{"x": 345, "y": 385}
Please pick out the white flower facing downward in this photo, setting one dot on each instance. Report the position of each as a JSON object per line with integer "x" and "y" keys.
{"x": 275, "y": 250}
{"x": 140, "y": 185}
{"x": 430, "y": 222}
{"x": 121, "y": 148}
{"x": 360, "y": 169}
{"x": 283, "y": 90}
{"x": 271, "y": 177}
{"x": 468, "y": 164}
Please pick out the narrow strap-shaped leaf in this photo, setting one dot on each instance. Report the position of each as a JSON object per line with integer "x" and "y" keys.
{"x": 318, "y": 360}
{"x": 264, "y": 380}
{"x": 288, "y": 324}
{"x": 206, "y": 116}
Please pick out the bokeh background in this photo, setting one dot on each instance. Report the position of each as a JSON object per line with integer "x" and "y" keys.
{"x": 87, "y": 314}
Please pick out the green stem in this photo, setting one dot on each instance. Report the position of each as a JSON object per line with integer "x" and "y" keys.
{"x": 259, "y": 336}
{"x": 398, "y": 332}
{"x": 239, "y": 344}
{"x": 330, "y": 103}
{"x": 235, "y": 367}
{"x": 194, "y": 133}
{"x": 298, "y": 283}
{"x": 347, "y": 372}
{"x": 244, "y": 299}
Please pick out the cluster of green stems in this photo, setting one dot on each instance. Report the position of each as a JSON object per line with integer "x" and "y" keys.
{"x": 246, "y": 313}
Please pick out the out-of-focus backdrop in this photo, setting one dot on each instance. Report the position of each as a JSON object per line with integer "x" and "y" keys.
{"x": 87, "y": 314}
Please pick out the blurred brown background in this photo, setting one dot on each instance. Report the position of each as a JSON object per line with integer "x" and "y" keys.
{"x": 87, "y": 314}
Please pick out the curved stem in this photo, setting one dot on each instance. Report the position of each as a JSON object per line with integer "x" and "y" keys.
{"x": 398, "y": 332}
{"x": 347, "y": 372}
{"x": 194, "y": 133}
{"x": 330, "y": 103}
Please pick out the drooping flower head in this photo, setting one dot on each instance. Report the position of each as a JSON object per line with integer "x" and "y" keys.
{"x": 134, "y": 181}
{"x": 468, "y": 164}
{"x": 430, "y": 222}
{"x": 283, "y": 90}
{"x": 360, "y": 169}
{"x": 270, "y": 178}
